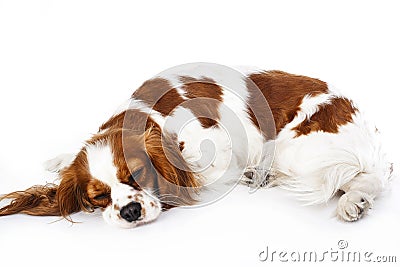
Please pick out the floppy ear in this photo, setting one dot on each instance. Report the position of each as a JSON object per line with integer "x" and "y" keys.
{"x": 50, "y": 200}
{"x": 39, "y": 200}
{"x": 71, "y": 195}
{"x": 177, "y": 184}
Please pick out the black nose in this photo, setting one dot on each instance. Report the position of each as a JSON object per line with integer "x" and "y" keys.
{"x": 131, "y": 212}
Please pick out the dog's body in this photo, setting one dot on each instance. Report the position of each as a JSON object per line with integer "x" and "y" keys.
{"x": 198, "y": 128}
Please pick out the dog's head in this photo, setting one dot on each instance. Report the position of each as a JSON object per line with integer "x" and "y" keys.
{"x": 131, "y": 177}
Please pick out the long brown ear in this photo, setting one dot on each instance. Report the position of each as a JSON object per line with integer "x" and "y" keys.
{"x": 71, "y": 195}
{"x": 47, "y": 200}
{"x": 51, "y": 200}
{"x": 177, "y": 184}
{"x": 37, "y": 200}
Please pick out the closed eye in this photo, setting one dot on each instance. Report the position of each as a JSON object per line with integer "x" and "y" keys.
{"x": 102, "y": 196}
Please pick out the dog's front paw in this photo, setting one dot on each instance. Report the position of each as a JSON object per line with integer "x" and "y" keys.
{"x": 255, "y": 177}
{"x": 353, "y": 205}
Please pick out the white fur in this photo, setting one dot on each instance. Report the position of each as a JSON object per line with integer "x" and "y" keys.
{"x": 308, "y": 107}
{"x": 58, "y": 163}
{"x": 101, "y": 167}
{"x": 317, "y": 165}
{"x": 101, "y": 163}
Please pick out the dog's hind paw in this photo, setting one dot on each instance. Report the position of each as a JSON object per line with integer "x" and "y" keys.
{"x": 353, "y": 205}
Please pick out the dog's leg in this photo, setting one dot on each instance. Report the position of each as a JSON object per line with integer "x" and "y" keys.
{"x": 58, "y": 163}
{"x": 262, "y": 174}
{"x": 358, "y": 197}
{"x": 256, "y": 176}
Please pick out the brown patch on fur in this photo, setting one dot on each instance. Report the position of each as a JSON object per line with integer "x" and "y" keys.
{"x": 203, "y": 87}
{"x": 165, "y": 206}
{"x": 130, "y": 197}
{"x": 159, "y": 94}
{"x": 181, "y": 145}
{"x": 143, "y": 211}
{"x": 174, "y": 177}
{"x": 202, "y": 90}
{"x": 132, "y": 119}
{"x": 284, "y": 93}
{"x": 99, "y": 193}
{"x": 328, "y": 118}
{"x": 152, "y": 204}
{"x": 116, "y": 121}
{"x": 116, "y": 207}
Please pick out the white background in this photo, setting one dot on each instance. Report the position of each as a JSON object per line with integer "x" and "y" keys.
{"x": 66, "y": 65}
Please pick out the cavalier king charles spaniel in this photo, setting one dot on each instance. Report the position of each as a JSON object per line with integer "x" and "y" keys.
{"x": 191, "y": 133}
